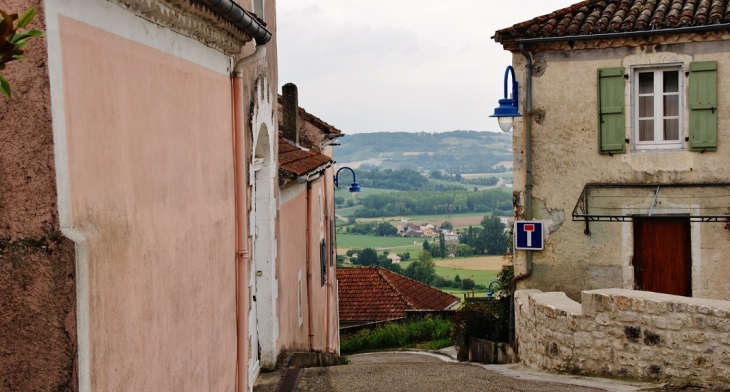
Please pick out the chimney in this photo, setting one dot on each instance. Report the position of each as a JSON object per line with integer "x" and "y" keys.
{"x": 290, "y": 106}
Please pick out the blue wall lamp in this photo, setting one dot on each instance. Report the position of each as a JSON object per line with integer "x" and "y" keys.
{"x": 489, "y": 288}
{"x": 355, "y": 187}
{"x": 507, "y": 109}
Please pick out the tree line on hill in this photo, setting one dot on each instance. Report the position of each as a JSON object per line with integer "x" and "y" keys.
{"x": 402, "y": 180}
{"x": 435, "y": 203}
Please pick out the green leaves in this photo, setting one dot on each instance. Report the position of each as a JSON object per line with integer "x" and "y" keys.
{"x": 4, "y": 86}
{"x": 26, "y": 18}
{"x": 11, "y": 40}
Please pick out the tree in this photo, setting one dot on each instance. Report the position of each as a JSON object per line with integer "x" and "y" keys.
{"x": 426, "y": 246}
{"x": 463, "y": 250}
{"x": 350, "y": 202}
{"x": 12, "y": 41}
{"x": 457, "y": 278}
{"x": 422, "y": 269}
{"x": 492, "y": 237}
{"x": 442, "y": 245}
{"x": 447, "y": 225}
{"x": 436, "y": 174}
{"x": 385, "y": 229}
{"x": 353, "y": 251}
{"x": 368, "y": 256}
{"x": 467, "y": 284}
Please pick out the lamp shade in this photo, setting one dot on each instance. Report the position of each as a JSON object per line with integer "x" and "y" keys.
{"x": 505, "y": 123}
{"x": 355, "y": 187}
{"x": 506, "y": 108}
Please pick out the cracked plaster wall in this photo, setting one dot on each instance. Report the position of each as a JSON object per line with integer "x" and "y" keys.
{"x": 566, "y": 158}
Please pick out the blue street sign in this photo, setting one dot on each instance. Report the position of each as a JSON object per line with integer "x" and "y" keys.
{"x": 528, "y": 235}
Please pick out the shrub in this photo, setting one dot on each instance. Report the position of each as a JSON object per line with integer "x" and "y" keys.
{"x": 394, "y": 335}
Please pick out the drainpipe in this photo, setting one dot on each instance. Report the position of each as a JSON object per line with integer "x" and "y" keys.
{"x": 241, "y": 194}
{"x": 528, "y": 188}
{"x": 309, "y": 272}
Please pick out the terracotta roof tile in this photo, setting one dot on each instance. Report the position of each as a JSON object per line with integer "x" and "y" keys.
{"x": 377, "y": 294}
{"x": 297, "y": 161}
{"x": 591, "y": 17}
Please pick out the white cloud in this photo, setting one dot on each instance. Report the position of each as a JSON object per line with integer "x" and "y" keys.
{"x": 406, "y": 65}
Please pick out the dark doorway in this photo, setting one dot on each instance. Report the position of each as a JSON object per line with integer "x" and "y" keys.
{"x": 662, "y": 255}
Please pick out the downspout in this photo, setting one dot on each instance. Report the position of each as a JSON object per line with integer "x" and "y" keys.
{"x": 241, "y": 195}
{"x": 309, "y": 272}
{"x": 528, "y": 188}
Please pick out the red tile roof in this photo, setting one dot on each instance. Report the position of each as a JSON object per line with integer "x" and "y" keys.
{"x": 296, "y": 161}
{"x": 591, "y": 17}
{"x": 377, "y": 294}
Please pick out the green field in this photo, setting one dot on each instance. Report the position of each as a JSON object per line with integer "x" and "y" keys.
{"x": 370, "y": 241}
{"x": 479, "y": 277}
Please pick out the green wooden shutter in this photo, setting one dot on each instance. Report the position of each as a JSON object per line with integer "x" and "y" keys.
{"x": 611, "y": 117}
{"x": 703, "y": 106}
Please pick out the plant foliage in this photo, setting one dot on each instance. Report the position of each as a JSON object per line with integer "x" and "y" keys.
{"x": 12, "y": 41}
{"x": 398, "y": 336}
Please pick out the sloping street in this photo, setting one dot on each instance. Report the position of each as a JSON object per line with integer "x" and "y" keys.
{"x": 425, "y": 372}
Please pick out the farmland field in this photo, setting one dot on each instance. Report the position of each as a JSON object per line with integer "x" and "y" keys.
{"x": 458, "y": 220}
{"x": 479, "y": 276}
{"x": 478, "y": 263}
{"x": 363, "y": 241}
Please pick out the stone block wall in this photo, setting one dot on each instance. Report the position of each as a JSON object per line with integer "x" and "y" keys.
{"x": 625, "y": 333}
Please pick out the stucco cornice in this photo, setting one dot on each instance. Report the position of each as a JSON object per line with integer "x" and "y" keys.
{"x": 191, "y": 19}
{"x": 620, "y": 42}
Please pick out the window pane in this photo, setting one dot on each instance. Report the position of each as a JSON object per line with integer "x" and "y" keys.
{"x": 646, "y": 82}
{"x": 671, "y": 129}
{"x": 671, "y": 81}
{"x": 646, "y": 130}
{"x": 671, "y": 105}
{"x": 646, "y": 106}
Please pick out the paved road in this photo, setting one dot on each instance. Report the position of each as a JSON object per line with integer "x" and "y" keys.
{"x": 419, "y": 372}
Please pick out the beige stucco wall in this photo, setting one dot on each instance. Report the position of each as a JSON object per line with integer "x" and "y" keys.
{"x": 151, "y": 191}
{"x": 565, "y": 158}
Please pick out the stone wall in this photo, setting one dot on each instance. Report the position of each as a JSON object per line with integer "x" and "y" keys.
{"x": 625, "y": 333}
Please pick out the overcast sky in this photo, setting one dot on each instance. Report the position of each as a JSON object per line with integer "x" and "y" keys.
{"x": 399, "y": 65}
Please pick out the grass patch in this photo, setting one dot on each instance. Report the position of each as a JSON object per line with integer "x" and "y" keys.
{"x": 394, "y": 335}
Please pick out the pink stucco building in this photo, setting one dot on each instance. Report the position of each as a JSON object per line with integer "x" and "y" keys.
{"x": 308, "y": 322}
{"x": 139, "y": 209}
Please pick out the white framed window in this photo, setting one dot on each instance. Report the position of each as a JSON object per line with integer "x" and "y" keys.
{"x": 658, "y": 107}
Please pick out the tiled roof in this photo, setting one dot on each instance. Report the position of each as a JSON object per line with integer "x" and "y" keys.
{"x": 377, "y": 294}
{"x": 591, "y": 17}
{"x": 297, "y": 161}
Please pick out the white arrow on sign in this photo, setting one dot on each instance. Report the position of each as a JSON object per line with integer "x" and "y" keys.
{"x": 529, "y": 228}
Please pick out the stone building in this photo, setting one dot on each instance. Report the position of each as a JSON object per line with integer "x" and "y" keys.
{"x": 629, "y": 133}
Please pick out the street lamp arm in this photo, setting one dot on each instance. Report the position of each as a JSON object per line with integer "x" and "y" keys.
{"x": 341, "y": 169}
{"x": 507, "y": 72}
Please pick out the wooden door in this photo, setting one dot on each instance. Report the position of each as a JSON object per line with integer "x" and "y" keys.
{"x": 662, "y": 255}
